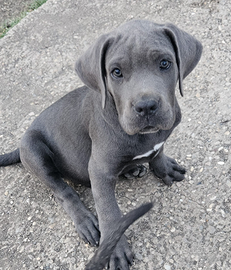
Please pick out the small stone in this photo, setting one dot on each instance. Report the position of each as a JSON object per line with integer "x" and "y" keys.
{"x": 139, "y": 256}
{"x": 220, "y": 163}
{"x": 167, "y": 267}
{"x": 211, "y": 229}
{"x": 228, "y": 183}
{"x": 21, "y": 250}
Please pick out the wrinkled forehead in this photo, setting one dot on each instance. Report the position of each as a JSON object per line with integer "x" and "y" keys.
{"x": 139, "y": 42}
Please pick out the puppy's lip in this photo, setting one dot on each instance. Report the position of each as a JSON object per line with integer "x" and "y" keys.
{"x": 149, "y": 129}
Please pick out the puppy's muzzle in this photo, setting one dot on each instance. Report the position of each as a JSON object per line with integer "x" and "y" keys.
{"x": 146, "y": 110}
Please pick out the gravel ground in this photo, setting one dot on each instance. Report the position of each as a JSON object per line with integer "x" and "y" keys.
{"x": 189, "y": 226}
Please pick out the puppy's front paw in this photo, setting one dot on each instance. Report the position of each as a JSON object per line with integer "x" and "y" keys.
{"x": 121, "y": 257}
{"x": 168, "y": 170}
{"x": 87, "y": 226}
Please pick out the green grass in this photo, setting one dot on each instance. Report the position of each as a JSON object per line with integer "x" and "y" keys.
{"x": 8, "y": 25}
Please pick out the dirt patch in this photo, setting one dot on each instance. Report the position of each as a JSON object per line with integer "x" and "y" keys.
{"x": 11, "y": 9}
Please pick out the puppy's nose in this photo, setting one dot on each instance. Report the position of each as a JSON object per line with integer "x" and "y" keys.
{"x": 147, "y": 107}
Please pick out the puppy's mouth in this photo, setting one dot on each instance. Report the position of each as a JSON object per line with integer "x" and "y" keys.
{"x": 149, "y": 129}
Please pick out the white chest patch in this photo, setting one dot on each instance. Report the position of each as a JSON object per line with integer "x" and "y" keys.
{"x": 156, "y": 149}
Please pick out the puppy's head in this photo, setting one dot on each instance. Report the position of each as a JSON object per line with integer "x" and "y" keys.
{"x": 139, "y": 65}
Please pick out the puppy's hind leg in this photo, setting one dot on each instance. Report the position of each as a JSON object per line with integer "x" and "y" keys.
{"x": 39, "y": 159}
{"x": 136, "y": 171}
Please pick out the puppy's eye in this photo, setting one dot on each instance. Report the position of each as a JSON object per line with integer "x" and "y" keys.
{"x": 116, "y": 73}
{"x": 165, "y": 64}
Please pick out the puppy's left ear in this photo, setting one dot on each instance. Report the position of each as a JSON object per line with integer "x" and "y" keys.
{"x": 187, "y": 49}
{"x": 90, "y": 67}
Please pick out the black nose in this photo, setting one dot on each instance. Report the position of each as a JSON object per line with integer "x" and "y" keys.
{"x": 146, "y": 107}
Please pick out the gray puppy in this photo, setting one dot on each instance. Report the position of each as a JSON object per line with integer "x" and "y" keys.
{"x": 121, "y": 118}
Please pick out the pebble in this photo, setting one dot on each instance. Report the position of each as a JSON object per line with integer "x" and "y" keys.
{"x": 228, "y": 183}
{"x": 211, "y": 229}
{"x": 167, "y": 267}
{"x": 139, "y": 256}
{"x": 220, "y": 163}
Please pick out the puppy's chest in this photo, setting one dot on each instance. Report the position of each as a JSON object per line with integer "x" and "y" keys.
{"x": 147, "y": 154}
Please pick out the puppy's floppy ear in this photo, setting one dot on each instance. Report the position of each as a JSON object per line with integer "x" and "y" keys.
{"x": 187, "y": 49}
{"x": 90, "y": 67}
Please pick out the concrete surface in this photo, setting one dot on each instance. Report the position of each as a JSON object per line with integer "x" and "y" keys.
{"x": 189, "y": 227}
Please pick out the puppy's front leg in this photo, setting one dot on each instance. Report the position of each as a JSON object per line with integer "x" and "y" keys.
{"x": 103, "y": 188}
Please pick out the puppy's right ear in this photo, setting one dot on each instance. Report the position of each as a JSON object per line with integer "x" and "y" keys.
{"x": 90, "y": 67}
